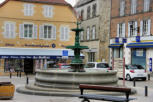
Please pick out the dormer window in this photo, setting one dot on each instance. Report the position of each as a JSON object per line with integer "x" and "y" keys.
{"x": 28, "y": 9}
{"x": 48, "y": 11}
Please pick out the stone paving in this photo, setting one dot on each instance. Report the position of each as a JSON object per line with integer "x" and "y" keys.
{"x": 32, "y": 98}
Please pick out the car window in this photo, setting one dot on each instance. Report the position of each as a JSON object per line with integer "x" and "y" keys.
{"x": 102, "y": 65}
{"x": 90, "y": 65}
{"x": 135, "y": 67}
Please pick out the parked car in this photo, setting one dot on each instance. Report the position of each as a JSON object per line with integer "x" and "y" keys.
{"x": 98, "y": 65}
{"x": 135, "y": 71}
{"x": 63, "y": 65}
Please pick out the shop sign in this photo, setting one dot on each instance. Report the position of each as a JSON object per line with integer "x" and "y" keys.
{"x": 137, "y": 38}
{"x": 124, "y": 40}
{"x": 65, "y": 54}
{"x": 150, "y": 64}
{"x": 116, "y": 40}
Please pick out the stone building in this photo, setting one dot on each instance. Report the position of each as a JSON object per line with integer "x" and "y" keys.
{"x": 95, "y": 20}
{"x": 34, "y": 33}
{"x": 131, "y": 31}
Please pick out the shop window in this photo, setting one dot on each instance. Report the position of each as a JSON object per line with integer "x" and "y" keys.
{"x": 13, "y": 65}
{"x": 28, "y": 9}
{"x": 48, "y": 11}
{"x": 64, "y": 33}
{"x": 133, "y": 6}
{"x": 47, "y": 32}
{"x": 91, "y": 56}
{"x": 122, "y": 7}
{"x": 9, "y": 30}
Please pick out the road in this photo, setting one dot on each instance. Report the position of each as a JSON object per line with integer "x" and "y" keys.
{"x": 17, "y": 81}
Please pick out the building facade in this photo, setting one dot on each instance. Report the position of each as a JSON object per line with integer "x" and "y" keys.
{"x": 95, "y": 20}
{"x": 131, "y": 32}
{"x": 34, "y": 32}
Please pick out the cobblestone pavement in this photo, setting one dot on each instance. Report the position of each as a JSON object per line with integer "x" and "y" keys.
{"x": 17, "y": 81}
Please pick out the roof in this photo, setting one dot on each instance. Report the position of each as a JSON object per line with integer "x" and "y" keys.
{"x": 53, "y": 2}
{"x": 83, "y": 2}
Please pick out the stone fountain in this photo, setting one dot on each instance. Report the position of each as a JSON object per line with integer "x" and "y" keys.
{"x": 65, "y": 82}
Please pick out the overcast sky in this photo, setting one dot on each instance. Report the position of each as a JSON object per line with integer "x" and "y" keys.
{"x": 72, "y": 2}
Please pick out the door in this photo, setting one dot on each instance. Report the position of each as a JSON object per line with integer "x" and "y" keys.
{"x": 28, "y": 66}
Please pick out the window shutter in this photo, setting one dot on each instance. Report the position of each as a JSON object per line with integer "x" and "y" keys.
{"x": 62, "y": 33}
{"x": 123, "y": 30}
{"x": 41, "y": 32}
{"x": 35, "y": 32}
{"x": 21, "y": 29}
{"x": 141, "y": 28}
{"x": 128, "y": 29}
{"x": 12, "y": 31}
{"x": 6, "y": 30}
{"x": 149, "y": 26}
{"x": 118, "y": 30}
{"x": 54, "y": 32}
{"x": 66, "y": 33}
{"x": 136, "y": 25}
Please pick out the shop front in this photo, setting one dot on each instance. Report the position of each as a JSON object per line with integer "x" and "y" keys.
{"x": 28, "y": 60}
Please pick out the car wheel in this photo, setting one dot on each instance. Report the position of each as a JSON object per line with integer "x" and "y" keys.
{"x": 85, "y": 100}
{"x": 144, "y": 79}
{"x": 128, "y": 77}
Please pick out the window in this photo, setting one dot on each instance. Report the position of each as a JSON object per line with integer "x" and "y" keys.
{"x": 88, "y": 12}
{"x": 146, "y": 5}
{"x": 47, "y": 31}
{"x": 133, "y": 6}
{"x": 145, "y": 27}
{"x": 122, "y": 7}
{"x": 94, "y": 32}
{"x": 82, "y": 13}
{"x": 28, "y": 31}
{"x": 9, "y": 30}
{"x": 132, "y": 28}
{"x": 48, "y": 11}
{"x": 91, "y": 56}
{"x": 81, "y": 36}
{"x": 121, "y": 30}
{"x": 94, "y": 7}
{"x": 28, "y": 9}
{"x": 64, "y": 33}
{"x": 88, "y": 33}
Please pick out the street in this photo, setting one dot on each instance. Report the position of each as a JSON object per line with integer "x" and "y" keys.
{"x": 17, "y": 81}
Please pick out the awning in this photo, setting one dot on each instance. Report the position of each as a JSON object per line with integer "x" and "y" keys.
{"x": 140, "y": 45}
{"x": 34, "y": 53}
{"x": 116, "y": 45}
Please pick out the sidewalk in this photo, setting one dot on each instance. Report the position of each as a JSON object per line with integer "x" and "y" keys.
{"x": 33, "y": 98}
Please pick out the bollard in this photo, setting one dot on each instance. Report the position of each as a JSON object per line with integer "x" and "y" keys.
{"x": 27, "y": 80}
{"x": 146, "y": 91}
{"x": 134, "y": 83}
{"x": 10, "y": 75}
{"x": 20, "y": 74}
{"x": 17, "y": 73}
{"x": 148, "y": 76}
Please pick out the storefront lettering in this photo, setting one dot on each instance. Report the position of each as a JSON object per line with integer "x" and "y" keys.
{"x": 7, "y": 44}
{"x": 32, "y": 45}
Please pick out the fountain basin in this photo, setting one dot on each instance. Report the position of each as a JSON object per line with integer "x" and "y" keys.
{"x": 70, "y": 80}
